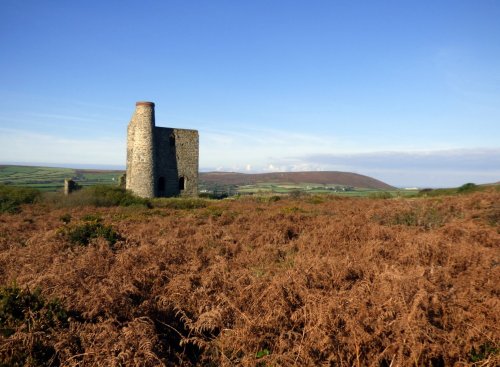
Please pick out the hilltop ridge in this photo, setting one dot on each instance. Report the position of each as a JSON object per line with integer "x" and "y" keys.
{"x": 51, "y": 178}
{"x": 316, "y": 177}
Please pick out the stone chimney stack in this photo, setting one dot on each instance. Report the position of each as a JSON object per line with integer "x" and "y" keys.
{"x": 141, "y": 151}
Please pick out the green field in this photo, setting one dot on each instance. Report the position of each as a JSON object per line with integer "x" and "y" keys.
{"x": 52, "y": 178}
{"x": 312, "y": 188}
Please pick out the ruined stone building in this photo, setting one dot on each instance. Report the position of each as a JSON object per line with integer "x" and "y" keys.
{"x": 161, "y": 161}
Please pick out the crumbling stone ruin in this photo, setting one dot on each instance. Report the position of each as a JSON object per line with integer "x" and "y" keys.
{"x": 122, "y": 181}
{"x": 69, "y": 186}
{"x": 161, "y": 161}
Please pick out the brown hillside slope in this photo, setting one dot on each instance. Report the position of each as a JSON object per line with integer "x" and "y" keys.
{"x": 311, "y": 281}
{"x": 319, "y": 177}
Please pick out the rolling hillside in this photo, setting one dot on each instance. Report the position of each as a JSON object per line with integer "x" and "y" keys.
{"x": 314, "y": 177}
{"x": 51, "y": 178}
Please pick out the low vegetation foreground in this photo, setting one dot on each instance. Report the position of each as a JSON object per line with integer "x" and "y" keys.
{"x": 104, "y": 278}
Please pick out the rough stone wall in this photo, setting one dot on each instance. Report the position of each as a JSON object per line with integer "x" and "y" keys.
{"x": 69, "y": 186}
{"x": 160, "y": 161}
{"x": 140, "y": 151}
{"x": 187, "y": 150}
{"x": 186, "y": 154}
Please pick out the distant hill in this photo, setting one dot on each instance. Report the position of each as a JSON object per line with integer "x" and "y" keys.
{"x": 317, "y": 177}
{"x": 52, "y": 178}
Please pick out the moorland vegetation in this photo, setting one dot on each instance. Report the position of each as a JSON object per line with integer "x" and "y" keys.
{"x": 104, "y": 278}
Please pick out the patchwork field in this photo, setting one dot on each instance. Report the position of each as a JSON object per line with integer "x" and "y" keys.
{"x": 52, "y": 178}
{"x": 317, "y": 280}
{"x": 314, "y": 188}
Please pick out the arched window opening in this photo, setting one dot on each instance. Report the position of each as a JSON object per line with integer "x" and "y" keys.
{"x": 182, "y": 183}
{"x": 161, "y": 184}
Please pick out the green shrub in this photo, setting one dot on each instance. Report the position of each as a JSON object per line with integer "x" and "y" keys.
{"x": 426, "y": 218}
{"x": 268, "y": 199}
{"x": 102, "y": 195}
{"x": 83, "y": 233}
{"x": 292, "y": 210}
{"x": 464, "y": 189}
{"x": 316, "y": 199}
{"x": 468, "y": 187}
{"x": 484, "y": 352}
{"x": 213, "y": 211}
{"x": 380, "y": 195}
{"x": 29, "y": 308}
{"x": 214, "y": 195}
{"x": 12, "y": 197}
{"x": 65, "y": 218}
{"x": 295, "y": 194}
{"x": 92, "y": 217}
{"x": 32, "y": 317}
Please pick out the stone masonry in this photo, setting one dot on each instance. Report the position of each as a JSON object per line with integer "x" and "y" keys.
{"x": 161, "y": 161}
{"x": 69, "y": 186}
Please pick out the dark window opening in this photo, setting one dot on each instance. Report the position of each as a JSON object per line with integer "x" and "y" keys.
{"x": 172, "y": 140}
{"x": 161, "y": 184}
{"x": 182, "y": 183}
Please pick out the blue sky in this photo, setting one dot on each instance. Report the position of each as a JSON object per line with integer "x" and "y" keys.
{"x": 404, "y": 91}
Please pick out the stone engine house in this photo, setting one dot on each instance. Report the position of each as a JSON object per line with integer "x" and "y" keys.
{"x": 161, "y": 161}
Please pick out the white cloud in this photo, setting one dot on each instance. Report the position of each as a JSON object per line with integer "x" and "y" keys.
{"x": 434, "y": 168}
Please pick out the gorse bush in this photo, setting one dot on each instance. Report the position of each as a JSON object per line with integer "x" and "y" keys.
{"x": 12, "y": 197}
{"x": 468, "y": 187}
{"x": 19, "y": 306}
{"x": 65, "y": 218}
{"x": 92, "y": 227}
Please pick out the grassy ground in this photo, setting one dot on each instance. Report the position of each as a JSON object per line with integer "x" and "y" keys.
{"x": 283, "y": 188}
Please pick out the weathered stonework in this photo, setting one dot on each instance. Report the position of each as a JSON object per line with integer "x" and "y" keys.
{"x": 69, "y": 186}
{"x": 161, "y": 161}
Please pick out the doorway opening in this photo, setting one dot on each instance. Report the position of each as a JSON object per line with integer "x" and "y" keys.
{"x": 161, "y": 184}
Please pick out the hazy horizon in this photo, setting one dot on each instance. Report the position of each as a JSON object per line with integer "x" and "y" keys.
{"x": 208, "y": 169}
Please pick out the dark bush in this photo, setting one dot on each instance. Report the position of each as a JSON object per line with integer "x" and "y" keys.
{"x": 295, "y": 194}
{"x": 12, "y": 197}
{"x": 468, "y": 187}
{"x": 27, "y": 319}
{"x": 464, "y": 189}
{"x": 214, "y": 195}
{"x": 65, "y": 218}
{"x": 83, "y": 233}
{"x": 380, "y": 195}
